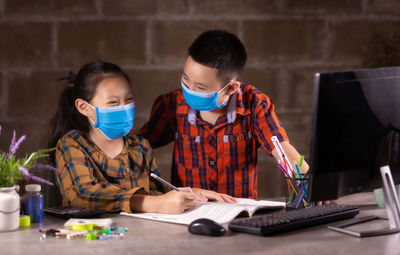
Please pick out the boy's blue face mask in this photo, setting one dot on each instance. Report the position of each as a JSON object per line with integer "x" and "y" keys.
{"x": 114, "y": 122}
{"x": 201, "y": 101}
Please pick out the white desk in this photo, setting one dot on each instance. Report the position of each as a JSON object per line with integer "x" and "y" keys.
{"x": 152, "y": 237}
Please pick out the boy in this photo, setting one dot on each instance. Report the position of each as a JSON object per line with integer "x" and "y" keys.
{"x": 216, "y": 122}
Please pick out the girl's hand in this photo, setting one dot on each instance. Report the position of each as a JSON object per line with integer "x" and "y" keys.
{"x": 177, "y": 202}
{"x": 214, "y": 196}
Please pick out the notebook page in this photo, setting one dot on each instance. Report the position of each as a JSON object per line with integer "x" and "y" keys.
{"x": 219, "y": 212}
{"x": 252, "y": 205}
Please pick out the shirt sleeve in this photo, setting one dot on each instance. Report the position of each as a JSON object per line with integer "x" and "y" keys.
{"x": 156, "y": 188}
{"x": 267, "y": 124}
{"x": 159, "y": 129}
{"x": 80, "y": 188}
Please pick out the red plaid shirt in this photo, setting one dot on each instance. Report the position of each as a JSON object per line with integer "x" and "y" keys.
{"x": 220, "y": 157}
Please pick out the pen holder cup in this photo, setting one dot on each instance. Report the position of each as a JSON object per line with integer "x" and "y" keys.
{"x": 297, "y": 193}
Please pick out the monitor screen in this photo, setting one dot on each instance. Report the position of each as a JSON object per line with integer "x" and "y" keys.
{"x": 355, "y": 130}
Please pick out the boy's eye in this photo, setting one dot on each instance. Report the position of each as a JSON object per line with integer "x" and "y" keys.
{"x": 113, "y": 102}
{"x": 201, "y": 88}
{"x": 129, "y": 99}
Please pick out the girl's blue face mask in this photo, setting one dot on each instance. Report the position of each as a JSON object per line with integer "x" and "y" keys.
{"x": 114, "y": 122}
{"x": 201, "y": 101}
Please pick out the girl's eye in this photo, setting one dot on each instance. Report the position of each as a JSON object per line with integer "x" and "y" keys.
{"x": 129, "y": 99}
{"x": 200, "y": 88}
{"x": 113, "y": 102}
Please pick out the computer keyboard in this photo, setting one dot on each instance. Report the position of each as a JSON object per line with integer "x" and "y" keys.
{"x": 293, "y": 219}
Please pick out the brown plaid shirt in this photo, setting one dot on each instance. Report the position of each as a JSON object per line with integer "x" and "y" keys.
{"x": 89, "y": 178}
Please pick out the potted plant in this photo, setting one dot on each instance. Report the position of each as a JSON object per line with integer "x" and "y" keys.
{"x": 13, "y": 170}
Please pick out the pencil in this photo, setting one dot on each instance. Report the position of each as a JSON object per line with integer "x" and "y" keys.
{"x": 164, "y": 181}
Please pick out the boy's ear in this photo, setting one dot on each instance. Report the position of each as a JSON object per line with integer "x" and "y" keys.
{"x": 233, "y": 87}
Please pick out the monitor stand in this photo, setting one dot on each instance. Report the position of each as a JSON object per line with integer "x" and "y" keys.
{"x": 392, "y": 210}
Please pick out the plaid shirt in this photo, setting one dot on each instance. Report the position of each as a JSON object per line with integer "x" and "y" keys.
{"x": 220, "y": 157}
{"x": 89, "y": 178}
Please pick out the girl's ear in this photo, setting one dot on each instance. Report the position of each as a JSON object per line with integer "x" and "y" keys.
{"x": 82, "y": 107}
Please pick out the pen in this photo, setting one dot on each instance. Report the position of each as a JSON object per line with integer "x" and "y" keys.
{"x": 164, "y": 181}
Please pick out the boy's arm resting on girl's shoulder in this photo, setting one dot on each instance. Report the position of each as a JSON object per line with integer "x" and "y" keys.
{"x": 81, "y": 189}
{"x": 159, "y": 128}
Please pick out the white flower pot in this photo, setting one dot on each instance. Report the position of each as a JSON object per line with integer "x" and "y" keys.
{"x": 9, "y": 209}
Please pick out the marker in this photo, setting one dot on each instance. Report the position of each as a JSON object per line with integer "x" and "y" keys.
{"x": 163, "y": 181}
{"x": 301, "y": 161}
{"x": 298, "y": 170}
{"x": 282, "y": 155}
{"x": 291, "y": 181}
{"x": 301, "y": 181}
{"x": 301, "y": 198}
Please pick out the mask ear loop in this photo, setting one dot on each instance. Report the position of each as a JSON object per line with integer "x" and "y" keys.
{"x": 226, "y": 101}
{"x": 91, "y": 120}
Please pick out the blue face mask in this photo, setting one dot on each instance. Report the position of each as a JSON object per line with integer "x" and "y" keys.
{"x": 201, "y": 101}
{"x": 114, "y": 122}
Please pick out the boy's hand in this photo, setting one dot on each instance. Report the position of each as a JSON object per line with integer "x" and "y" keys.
{"x": 328, "y": 202}
{"x": 214, "y": 196}
{"x": 198, "y": 196}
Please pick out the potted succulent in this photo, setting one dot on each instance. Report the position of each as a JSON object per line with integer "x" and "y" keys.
{"x": 13, "y": 170}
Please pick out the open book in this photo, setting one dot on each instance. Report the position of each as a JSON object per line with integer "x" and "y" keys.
{"x": 219, "y": 212}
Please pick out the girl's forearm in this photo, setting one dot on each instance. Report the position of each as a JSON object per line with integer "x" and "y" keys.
{"x": 144, "y": 203}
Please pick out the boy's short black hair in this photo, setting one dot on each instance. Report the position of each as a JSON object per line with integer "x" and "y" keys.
{"x": 221, "y": 50}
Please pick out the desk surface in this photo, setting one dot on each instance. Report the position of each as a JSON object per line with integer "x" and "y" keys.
{"x": 153, "y": 237}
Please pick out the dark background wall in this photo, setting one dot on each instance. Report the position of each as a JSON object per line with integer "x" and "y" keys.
{"x": 287, "y": 42}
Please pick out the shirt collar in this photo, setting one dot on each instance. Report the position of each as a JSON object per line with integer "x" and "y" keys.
{"x": 87, "y": 143}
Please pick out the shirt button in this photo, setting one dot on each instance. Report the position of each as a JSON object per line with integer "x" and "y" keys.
{"x": 212, "y": 162}
{"x": 239, "y": 138}
{"x": 186, "y": 139}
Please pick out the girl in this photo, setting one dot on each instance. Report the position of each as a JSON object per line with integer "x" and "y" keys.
{"x": 102, "y": 165}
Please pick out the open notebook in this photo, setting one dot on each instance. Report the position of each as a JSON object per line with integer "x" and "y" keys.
{"x": 219, "y": 212}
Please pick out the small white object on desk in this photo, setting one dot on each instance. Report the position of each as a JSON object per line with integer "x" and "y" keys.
{"x": 98, "y": 223}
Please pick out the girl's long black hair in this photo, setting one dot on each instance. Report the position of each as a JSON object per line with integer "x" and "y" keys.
{"x": 83, "y": 86}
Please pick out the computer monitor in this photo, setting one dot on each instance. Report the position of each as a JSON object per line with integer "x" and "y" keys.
{"x": 355, "y": 130}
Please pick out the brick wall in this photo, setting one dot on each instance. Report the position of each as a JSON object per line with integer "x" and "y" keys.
{"x": 287, "y": 41}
